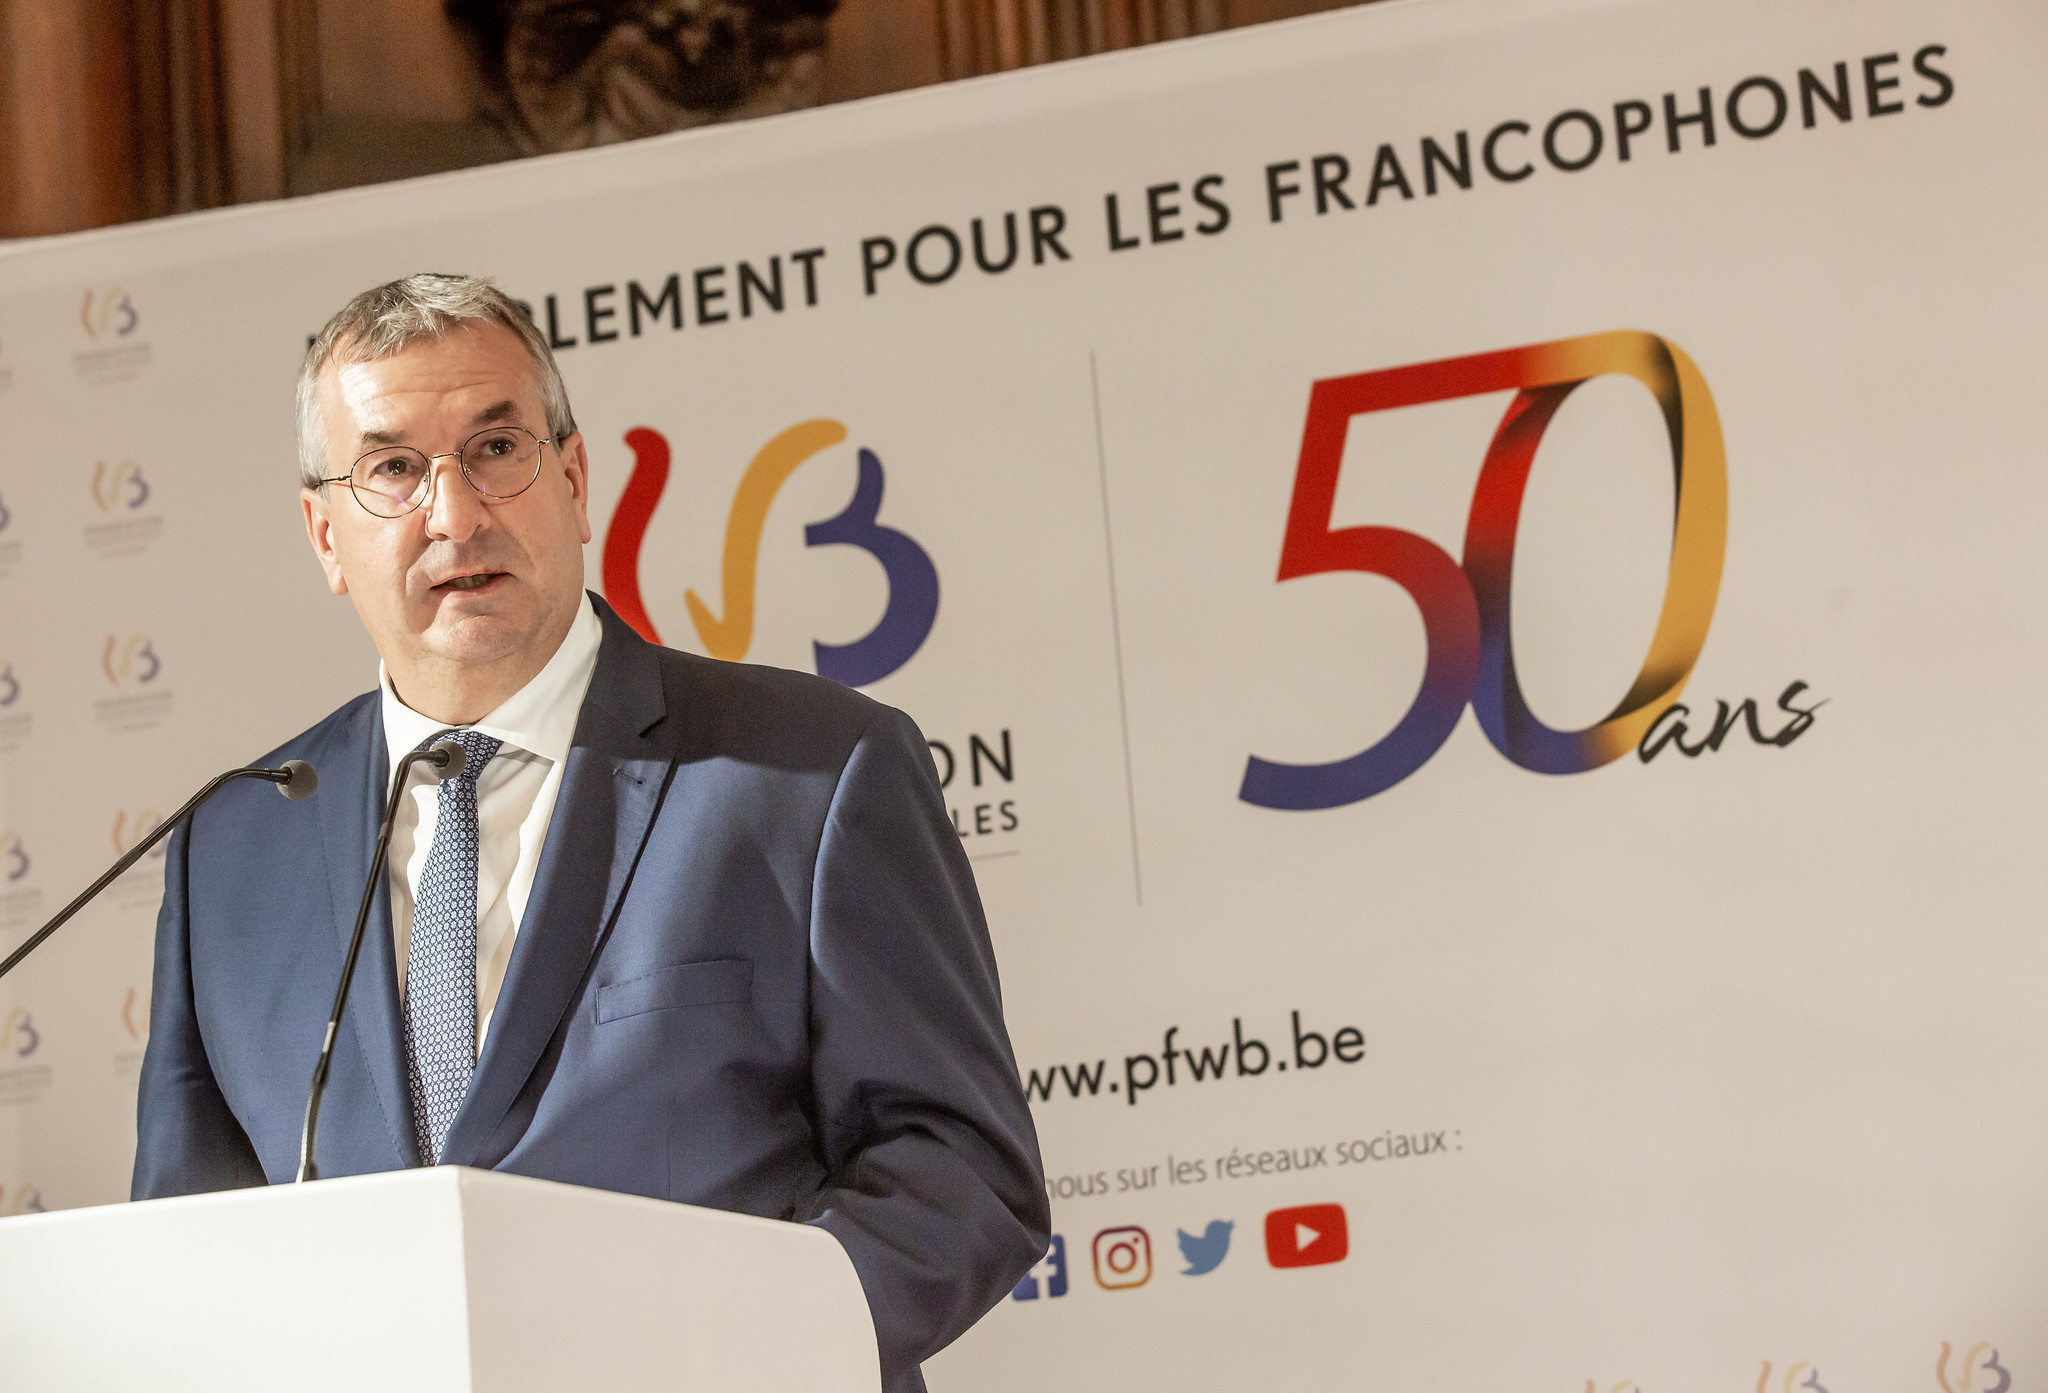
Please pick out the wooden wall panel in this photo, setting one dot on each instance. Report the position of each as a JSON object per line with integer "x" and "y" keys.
{"x": 67, "y": 117}
{"x": 252, "y": 52}
{"x": 395, "y": 60}
{"x": 119, "y": 109}
{"x": 880, "y": 46}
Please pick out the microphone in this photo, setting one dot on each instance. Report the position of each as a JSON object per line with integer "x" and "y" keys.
{"x": 302, "y": 781}
{"x": 444, "y": 760}
{"x": 296, "y": 779}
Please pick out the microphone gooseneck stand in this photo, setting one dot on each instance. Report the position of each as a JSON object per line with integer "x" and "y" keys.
{"x": 295, "y": 780}
{"x": 444, "y": 759}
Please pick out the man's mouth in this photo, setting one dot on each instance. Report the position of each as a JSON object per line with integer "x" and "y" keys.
{"x": 470, "y": 582}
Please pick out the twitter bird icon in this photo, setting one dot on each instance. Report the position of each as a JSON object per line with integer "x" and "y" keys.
{"x": 1204, "y": 1254}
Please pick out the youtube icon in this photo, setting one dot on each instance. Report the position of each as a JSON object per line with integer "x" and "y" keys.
{"x": 1307, "y": 1235}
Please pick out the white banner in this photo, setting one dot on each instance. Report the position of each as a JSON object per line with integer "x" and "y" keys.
{"x": 1447, "y": 554}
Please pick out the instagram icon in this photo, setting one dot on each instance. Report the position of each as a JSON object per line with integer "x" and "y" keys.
{"x": 1123, "y": 1258}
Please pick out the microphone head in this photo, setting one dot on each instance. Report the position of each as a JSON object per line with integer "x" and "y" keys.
{"x": 303, "y": 783}
{"x": 445, "y": 759}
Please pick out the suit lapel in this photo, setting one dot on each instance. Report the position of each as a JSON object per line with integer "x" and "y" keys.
{"x": 351, "y": 802}
{"x": 611, "y": 789}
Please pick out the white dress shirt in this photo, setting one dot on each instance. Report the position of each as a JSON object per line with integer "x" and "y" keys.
{"x": 515, "y": 799}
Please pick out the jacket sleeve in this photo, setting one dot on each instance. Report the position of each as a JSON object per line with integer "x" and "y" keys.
{"x": 186, "y": 1138}
{"x": 935, "y": 1189}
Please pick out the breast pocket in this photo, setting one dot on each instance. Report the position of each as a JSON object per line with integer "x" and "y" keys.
{"x": 686, "y": 984}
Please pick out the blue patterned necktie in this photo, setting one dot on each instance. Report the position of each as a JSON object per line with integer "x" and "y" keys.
{"x": 440, "y": 973}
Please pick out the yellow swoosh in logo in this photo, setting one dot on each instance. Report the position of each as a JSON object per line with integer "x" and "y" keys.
{"x": 729, "y": 637}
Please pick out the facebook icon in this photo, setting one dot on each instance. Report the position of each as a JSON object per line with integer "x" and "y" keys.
{"x": 1054, "y": 1265}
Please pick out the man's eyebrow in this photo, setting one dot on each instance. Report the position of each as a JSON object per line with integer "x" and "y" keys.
{"x": 497, "y": 411}
{"x": 501, "y": 411}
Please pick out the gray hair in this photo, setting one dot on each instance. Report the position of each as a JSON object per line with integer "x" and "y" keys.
{"x": 380, "y": 322}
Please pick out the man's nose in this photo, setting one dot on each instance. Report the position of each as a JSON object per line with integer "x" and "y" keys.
{"x": 455, "y": 511}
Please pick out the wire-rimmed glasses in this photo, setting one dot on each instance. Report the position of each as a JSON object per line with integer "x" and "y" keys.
{"x": 499, "y": 462}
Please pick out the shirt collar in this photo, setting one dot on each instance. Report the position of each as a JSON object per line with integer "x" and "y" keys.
{"x": 539, "y": 718}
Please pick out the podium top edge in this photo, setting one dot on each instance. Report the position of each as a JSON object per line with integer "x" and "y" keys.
{"x": 457, "y": 1185}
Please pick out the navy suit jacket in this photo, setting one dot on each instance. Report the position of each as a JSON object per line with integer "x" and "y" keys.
{"x": 753, "y": 974}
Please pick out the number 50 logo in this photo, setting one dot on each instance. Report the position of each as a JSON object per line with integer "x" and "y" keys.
{"x": 1465, "y": 606}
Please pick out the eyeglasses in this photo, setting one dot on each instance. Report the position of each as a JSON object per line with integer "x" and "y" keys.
{"x": 499, "y": 463}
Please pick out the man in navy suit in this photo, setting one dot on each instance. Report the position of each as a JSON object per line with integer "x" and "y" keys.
{"x": 680, "y": 928}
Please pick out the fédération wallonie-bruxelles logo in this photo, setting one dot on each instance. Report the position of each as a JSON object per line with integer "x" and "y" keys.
{"x": 20, "y": 1199}
{"x": 118, "y": 486}
{"x": 141, "y": 699}
{"x": 913, "y": 604}
{"x": 130, "y": 660}
{"x": 109, "y": 316}
{"x": 126, "y": 525}
{"x": 108, "y": 313}
{"x": 1958, "y": 1371}
{"x": 18, "y": 1034}
{"x": 1465, "y": 604}
{"x": 130, "y": 827}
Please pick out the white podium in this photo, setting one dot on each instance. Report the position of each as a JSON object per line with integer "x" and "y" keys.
{"x": 427, "y": 1281}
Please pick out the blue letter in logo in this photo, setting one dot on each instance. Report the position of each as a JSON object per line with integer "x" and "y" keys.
{"x": 1204, "y": 1254}
{"x": 1055, "y": 1261}
{"x": 913, "y": 586}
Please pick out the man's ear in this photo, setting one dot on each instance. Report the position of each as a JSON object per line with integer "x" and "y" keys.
{"x": 320, "y": 532}
{"x": 576, "y": 465}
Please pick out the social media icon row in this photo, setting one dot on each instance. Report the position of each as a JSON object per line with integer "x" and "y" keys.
{"x": 1304, "y": 1235}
